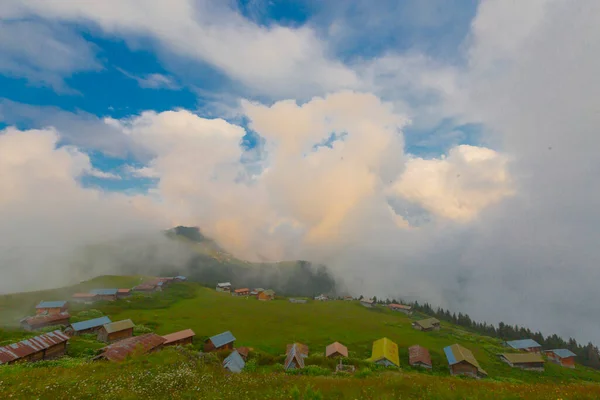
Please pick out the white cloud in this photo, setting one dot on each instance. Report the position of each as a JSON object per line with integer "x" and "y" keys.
{"x": 44, "y": 53}
{"x": 269, "y": 60}
{"x": 103, "y": 174}
{"x": 152, "y": 81}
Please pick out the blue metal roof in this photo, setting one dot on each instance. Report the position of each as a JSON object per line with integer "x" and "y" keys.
{"x": 180, "y": 277}
{"x": 90, "y": 323}
{"x": 523, "y": 344}
{"x": 563, "y": 353}
{"x": 450, "y": 355}
{"x": 222, "y": 339}
{"x": 51, "y": 304}
{"x": 234, "y": 362}
{"x": 104, "y": 292}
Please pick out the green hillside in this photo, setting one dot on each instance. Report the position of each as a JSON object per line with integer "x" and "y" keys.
{"x": 267, "y": 327}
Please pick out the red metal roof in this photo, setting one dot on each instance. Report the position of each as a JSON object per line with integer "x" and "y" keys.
{"x": 46, "y": 319}
{"x": 174, "y": 337}
{"x": 243, "y": 351}
{"x": 402, "y": 306}
{"x": 336, "y": 347}
{"x": 241, "y": 290}
{"x": 120, "y": 350}
{"x": 83, "y": 295}
{"x": 123, "y": 290}
{"x": 418, "y": 354}
{"x": 27, "y": 347}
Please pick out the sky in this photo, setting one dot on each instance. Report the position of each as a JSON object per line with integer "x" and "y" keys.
{"x": 440, "y": 151}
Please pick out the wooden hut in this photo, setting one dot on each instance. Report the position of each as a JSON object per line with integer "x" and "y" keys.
{"x": 462, "y": 362}
{"x": 241, "y": 292}
{"x": 86, "y": 298}
{"x": 266, "y": 295}
{"x": 222, "y": 341}
{"x": 385, "y": 352}
{"x": 234, "y": 362}
{"x": 134, "y": 345}
{"x": 115, "y": 331}
{"x": 295, "y": 355}
{"x": 44, "y": 320}
{"x": 527, "y": 361}
{"x": 426, "y": 325}
{"x": 122, "y": 293}
{"x": 528, "y": 345}
{"x": 52, "y": 307}
{"x": 419, "y": 357}
{"x": 369, "y": 303}
{"x": 563, "y": 357}
{"x": 223, "y": 287}
{"x": 179, "y": 278}
{"x": 336, "y": 349}
{"x": 401, "y": 308}
{"x": 44, "y": 347}
{"x": 105, "y": 294}
{"x": 180, "y": 338}
{"x": 89, "y": 326}
{"x": 244, "y": 351}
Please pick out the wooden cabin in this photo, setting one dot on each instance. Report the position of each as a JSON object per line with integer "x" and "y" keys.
{"x": 180, "y": 338}
{"x": 222, "y": 341}
{"x": 526, "y": 361}
{"x": 115, "y": 331}
{"x": 385, "y": 352}
{"x": 244, "y": 351}
{"x": 89, "y": 326}
{"x": 528, "y": 345}
{"x": 562, "y": 357}
{"x": 234, "y": 362}
{"x": 223, "y": 287}
{"x": 426, "y": 325}
{"x": 52, "y": 307}
{"x": 266, "y": 295}
{"x": 85, "y": 298}
{"x": 44, "y": 347}
{"x": 44, "y": 320}
{"x": 401, "y": 308}
{"x": 336, "y": 349}
{"x": 241, "y": 292}
{"x": 295, "y": 355}
{"x": 120, "y": 350}
{"x": 419, "y": 357}
{"x": 369, "y": 303}
{"x": 180, "y": 278}
{"x": 122, "y": 293}
{"x": 462, "y": 362}
{"x": 105, "y": 294}
{"x": 321, "y": 297}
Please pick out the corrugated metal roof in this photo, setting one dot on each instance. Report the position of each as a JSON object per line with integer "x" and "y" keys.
{"x": 119, "y": 326}
{"x": 269, "y": 292}
{"x": 336, "y": 347}
{"x": 37, "y": 320}
{"x": 27, "y": 347}
{"x": 223, "y": 284}
{"x": 124, "y": 291}
{"x": 385, "y": 348}
{"x": 368, "y": 301}
{"x": 523, "y": 358}
{"x": 563, "y": 353}
{"x": 104, "y": 292}
{"x": 174, "y": 337}
{"x": 83, "y": 295}
{"x": 523, "y": 344}
{"x": 400, "y": 306}
{"x": 241, "y": 290}
{"x": 296, "y": 351}
{"x": 181, "y": 278}
{"x": 418, "y": 354}
{"x": 51, "y": 304}
{"x": 427, "y": 323}
{"x": 456, "y": 354}
{"x": 222, "y": 339}
{"x": 244, "y": 351}
{"x": 120, "y": 350}
{"x": 90, "y": 323}
{"x": 234, "y": 362}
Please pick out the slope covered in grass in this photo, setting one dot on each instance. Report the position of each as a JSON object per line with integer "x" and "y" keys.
{"x": 267, "y": 327}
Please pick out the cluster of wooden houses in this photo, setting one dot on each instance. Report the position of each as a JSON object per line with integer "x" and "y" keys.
{"x": 258, "y": 293}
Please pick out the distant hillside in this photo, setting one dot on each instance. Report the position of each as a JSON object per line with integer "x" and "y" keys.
{"x": 211, "y": 264}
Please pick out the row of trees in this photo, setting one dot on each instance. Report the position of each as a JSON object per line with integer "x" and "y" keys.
{"x": 588, "y": 355}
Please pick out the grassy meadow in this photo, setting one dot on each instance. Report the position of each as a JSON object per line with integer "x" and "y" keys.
{"x": 267, "y": 327}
